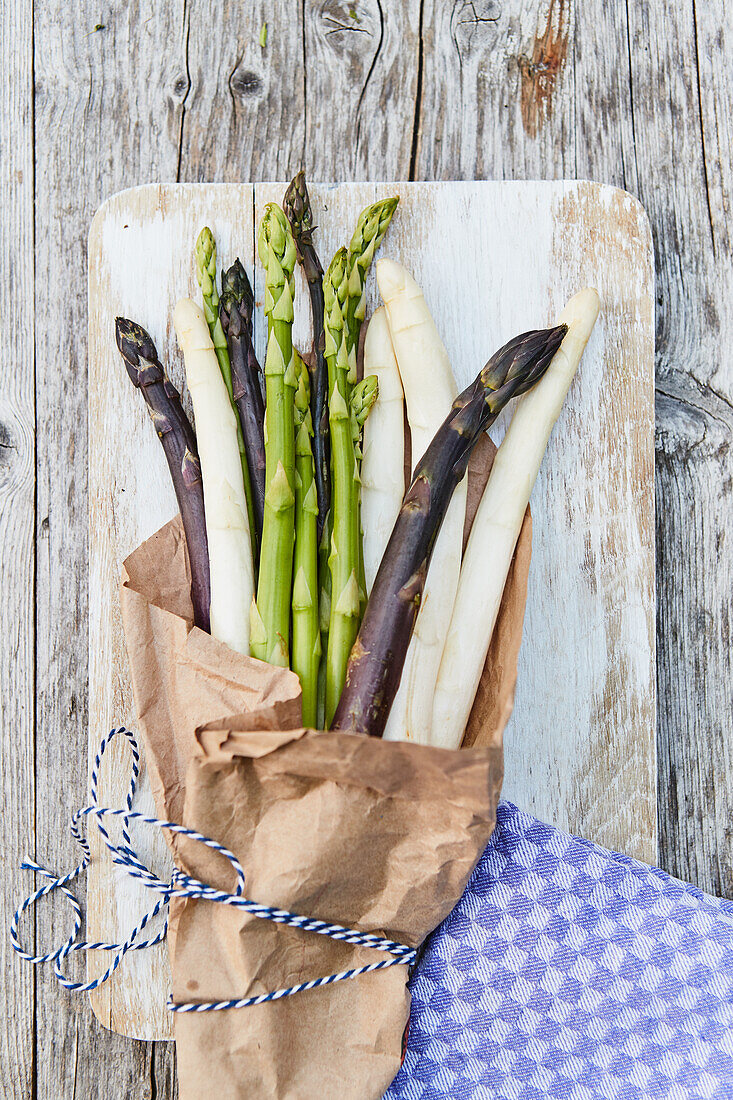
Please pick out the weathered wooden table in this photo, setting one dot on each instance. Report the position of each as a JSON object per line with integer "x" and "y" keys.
{"x": 97, "y": 98}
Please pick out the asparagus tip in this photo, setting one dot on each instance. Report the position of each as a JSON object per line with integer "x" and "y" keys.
{"x": 205, "y": 241}
{"x": 275, "y": 237}
{"x": 521, "y": 362}
{"x": 297, "y": 207}
{"x": 363, "y": 397}
{"x": 205, "y": 252}
{"x": 135, "y": 344}
{"x": 236, "y": 289}
{"x": 296, "y": 199}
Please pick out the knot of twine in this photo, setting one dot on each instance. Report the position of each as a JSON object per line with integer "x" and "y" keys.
{"x": 179, "y": 886}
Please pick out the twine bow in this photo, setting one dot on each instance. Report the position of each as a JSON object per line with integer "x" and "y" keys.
{"x": 179, "y": 886}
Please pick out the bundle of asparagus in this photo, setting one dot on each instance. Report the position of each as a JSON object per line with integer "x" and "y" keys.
{"x": 305, "y": 549}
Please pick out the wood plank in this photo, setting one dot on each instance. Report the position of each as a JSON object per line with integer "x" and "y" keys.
{"x": 585, "y": 753}
{"x": 364, "y": 57}
{"x": 603, "y": 139}
{"x": 245, "y": 106}
{"x": 17, "y": 528}
{"x": 682, "y": 105}
{"x": 87, "y": 81}
{"x": 498, "y": 93}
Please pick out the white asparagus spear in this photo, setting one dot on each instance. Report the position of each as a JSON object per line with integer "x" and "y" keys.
{"x": 430, "y": 389}
{"x": 225, "y": 506}
{"x": 497, "y": 525}
{"x": 383, "y": 464}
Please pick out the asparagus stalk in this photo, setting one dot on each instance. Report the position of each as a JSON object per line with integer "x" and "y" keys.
{"x": 430, "y": 389}
{"x": 363, "y": 398}
{"x": 324, "y": 612}
{"x": 383, "y": 465}
{"x": 270, "y": 632}
{"x": 371, "y": 226}
{"x": 227, "y": 529}
{"x": 376, "y": 661}
{"x": 179, "y": 445}
{"x": 497, "y": 525}
{"x": 206, "y": 274}
{"x": 306, "y": 629}
{"x": 235, "y": 314}
{"x": 344, "y": 556}
{"x": 297, "y": 207}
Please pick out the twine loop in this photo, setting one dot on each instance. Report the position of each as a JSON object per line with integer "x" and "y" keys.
{"x": 180, "y": 885}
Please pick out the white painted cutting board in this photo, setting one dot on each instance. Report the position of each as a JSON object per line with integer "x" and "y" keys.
{"x": 494, "y": 259}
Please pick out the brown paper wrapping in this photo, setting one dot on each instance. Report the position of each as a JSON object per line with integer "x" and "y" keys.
{"x": 378, "y": 836}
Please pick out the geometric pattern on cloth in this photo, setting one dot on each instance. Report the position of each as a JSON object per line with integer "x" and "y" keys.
{"x": 571, "y": 972}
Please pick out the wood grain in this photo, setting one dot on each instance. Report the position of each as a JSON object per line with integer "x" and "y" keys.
{"x": 642, "y": 100}
{"x": 107, "y": 106}
{"x": 581, "y": 747}
{"x": 683, "y": 104}
{"x": 245, "y": 105}
{"x": 364, "y": 57}
{"x": 497, "y": 90}
{"x": 17, "y": 530}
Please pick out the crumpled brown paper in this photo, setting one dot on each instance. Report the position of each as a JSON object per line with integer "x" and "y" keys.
{"x": 378, "y": 836}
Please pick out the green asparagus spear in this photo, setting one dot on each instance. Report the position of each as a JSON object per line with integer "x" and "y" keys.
{"x": 344, "y": 556}
{"x": 270, "y": 630}
{"x": 371, "y": 226}
{"x": 305, "y": 658}
{"x": 324, "y": 612}
{"x": 363, "y": 397}
{"x": 377, "y": 659}
{"x": 206, "y": 275}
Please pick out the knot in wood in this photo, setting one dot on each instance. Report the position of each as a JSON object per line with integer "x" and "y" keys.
{"x": 474, "y": 26}
{"x": 344, "y": 23}
{"x": 246, "y": 83}
{"x": 180, "y": 87}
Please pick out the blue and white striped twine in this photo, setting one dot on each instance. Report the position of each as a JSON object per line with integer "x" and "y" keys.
{"x": 180, "y": 886}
